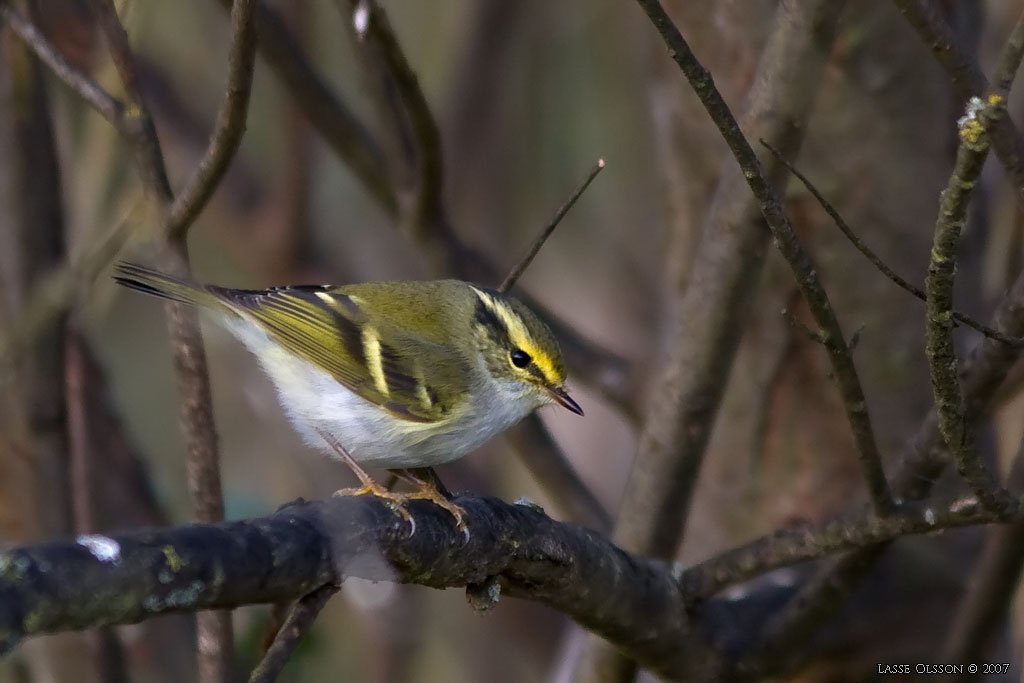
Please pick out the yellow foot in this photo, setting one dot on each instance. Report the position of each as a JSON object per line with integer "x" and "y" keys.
{"x": 395, "y": 501}
{"x": 427, "y": 490}
{"x": 456, "y": 511}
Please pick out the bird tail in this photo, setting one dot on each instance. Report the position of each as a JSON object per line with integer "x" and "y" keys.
{"x": 149, "y": 281}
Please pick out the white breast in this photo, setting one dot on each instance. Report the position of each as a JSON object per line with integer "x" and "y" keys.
{"x": 314, "y": 400}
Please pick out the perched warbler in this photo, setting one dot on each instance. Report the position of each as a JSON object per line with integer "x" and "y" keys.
{"x": 399, "y": 375}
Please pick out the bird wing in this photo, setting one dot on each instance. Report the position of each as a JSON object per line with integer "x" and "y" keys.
{"x": 375, "y": 360}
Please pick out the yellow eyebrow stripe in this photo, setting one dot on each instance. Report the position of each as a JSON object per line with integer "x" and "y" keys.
{"x": 520, "y": 335}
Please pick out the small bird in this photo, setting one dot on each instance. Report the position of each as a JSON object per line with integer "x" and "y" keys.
{"x": 397, "y": 375}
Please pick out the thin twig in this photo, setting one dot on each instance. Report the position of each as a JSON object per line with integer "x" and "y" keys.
{"x": 1010, "y": 57}
{"x": 50, "y": 298}
{"x": 99, "y": 99}
{"x": 428, "y": 208}
{"x": 331, "y": 117}
{"x": 510, "y": 281}
{"x": 230, "y": 126}
{"x": 967, "y": 78}
{"x": 790, "y": 546}
{"x": 140, "y": 131}
{"x": 815, "y": 336}
{"x": 942, "y": 360}
{"x": 877, "y": 262}
{"x": 844, "y": 369}
{"x": 300, "y": 620}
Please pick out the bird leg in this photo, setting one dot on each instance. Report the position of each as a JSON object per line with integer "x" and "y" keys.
{"x": 398, "y": 501}
{"x": 429, "y": 487}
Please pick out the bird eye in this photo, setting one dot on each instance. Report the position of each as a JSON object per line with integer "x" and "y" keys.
{"x": 519, "y": 358}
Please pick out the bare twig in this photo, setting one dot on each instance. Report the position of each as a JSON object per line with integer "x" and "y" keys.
{"x": 140, "y": 133}
{"x": 428, "y": 212}
{"x": 52, "y": 295}
{"x": 99, "y": 99}
{"x": 790, "y": 546}
{"x": 968, "y": 80}
{"x": 64, "y": 284}
{"x": 942, "y": 361}
{"x": 729, "y": 258}
{"x": 1010, "y": 57}
{"x": 227, "y": 134}
{"x": 300, "y": 620}
{"x": 334, "y": 120}
{"x": 863, "y": 248}
{"x": 510, "y": 281}
{"x": 815, "y": 336}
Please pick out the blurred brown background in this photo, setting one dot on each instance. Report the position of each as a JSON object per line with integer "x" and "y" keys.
{"x": 527, "y": 96}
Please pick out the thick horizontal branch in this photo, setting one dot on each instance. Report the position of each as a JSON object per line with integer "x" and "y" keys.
{"x": 97, "y": 580}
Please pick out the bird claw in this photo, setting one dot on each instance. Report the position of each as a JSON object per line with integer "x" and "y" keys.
{"x": 396, "y": 502}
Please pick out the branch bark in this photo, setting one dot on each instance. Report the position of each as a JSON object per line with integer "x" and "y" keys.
{"x": 942, "y": 360}
{"x": 634, "y": 602}
{"x": 967, "y": 78}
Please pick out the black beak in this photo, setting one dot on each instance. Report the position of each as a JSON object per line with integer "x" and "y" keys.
{"x": 563, "y": 398}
